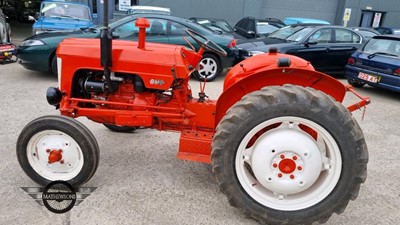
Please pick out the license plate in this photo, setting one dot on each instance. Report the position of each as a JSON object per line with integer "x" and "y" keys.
{"x": 367, "y": 77}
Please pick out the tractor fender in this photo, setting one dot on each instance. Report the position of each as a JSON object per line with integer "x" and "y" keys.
{"x": 243, "y": 79}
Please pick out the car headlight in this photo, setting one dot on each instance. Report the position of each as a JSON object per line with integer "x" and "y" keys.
{"x": 253, "y": 53}
{"x": 32, "y": 43}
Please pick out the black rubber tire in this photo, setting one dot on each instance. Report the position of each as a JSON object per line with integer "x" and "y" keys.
{"x": 75, "y": 130}
{"x": 120, "y": 129}
{"x": 215, "y": 61}
{"x": 289, "y": 100}
{"x": 355, "y": 83}
{"x": 54, "y": 66}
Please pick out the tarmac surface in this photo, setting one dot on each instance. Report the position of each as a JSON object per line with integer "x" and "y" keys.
{"x": 140, "y": 181}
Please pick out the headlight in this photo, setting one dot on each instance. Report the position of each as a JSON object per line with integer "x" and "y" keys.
{"x": 253, "y": 53}
{"x": 31, "y": 43}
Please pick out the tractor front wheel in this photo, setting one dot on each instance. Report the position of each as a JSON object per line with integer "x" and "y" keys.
{"x": 54, "y": 148}
{"x": 289, "y": 155}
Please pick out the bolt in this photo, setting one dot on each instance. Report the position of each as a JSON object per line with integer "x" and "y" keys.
{"x": 282, "y": 156}
{"x": 294, "y": 157}
{"x": 48, "y": 150}
{"x": 275, "y": 165}
{"x": 292, "y": 176}
{"x": 299, "y": 168}
{"x": 279, "y": 175}
{"x": 62, "y": 161}
{"x": 60, "y": 150}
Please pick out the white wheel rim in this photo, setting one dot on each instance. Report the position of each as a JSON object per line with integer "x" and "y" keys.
{"x": 292, "y": 170}
{"x": 40, "y": 147}
{"x": 207, "y": 68}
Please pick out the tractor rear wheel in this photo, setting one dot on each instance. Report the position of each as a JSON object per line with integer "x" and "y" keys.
{"x": 289, "y": 155}
{"x": 54, "y": 148}
{"x": 120, "y": 129}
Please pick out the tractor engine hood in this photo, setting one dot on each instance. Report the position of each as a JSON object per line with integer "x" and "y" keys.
{"x": 157, "y": 64}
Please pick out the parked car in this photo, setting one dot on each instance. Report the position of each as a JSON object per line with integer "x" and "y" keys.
{"x": 38, "y": 52}
{"x": 377, "y": 63}
{"x": 148, "y": 9}
{"x": 56, "y": 15}
{"x": 26, "y": 8}
{"x": 250, "y": 27}
{"x": 5, "y": 29}
{"x": 366, "y": 32}
{"x": 388, "y": 30}
{"x": 298, "y": 20}
{"x": 327, "y": 47}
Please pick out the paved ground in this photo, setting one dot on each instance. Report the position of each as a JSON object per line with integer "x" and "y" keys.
{"x": 140, "y": 181}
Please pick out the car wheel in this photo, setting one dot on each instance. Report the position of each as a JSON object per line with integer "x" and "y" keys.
{"x": 209, "y": 68}
{"x": 355, "y": 83}
{"x": 54, "y": 65}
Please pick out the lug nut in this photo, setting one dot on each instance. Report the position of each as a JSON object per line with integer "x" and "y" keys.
{"x": 62, "y": 161}
{"x": 299, "y": 168}
{"x": 275, "y": 165}
{"x": 282, "y": 156}
{"x": 294, "y": 157}
{"x": 47, "y": 150}
{"x": 292, "y": 176}
{"x": 279, "y": 175}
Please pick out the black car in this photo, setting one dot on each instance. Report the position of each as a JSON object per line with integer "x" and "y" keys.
{"x": 250, "y": 27}
{"x": 366, "y": 32}
{"x": 388, "y": 30}
{"x": 327, "y": 47}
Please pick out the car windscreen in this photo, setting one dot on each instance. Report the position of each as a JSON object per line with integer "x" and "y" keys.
{"x": 218, "y": 25}
{"x": 60, "y": 9}
{"x": 383, "y": 46}
{"x": 285, "y": 32}
{"x": 265, "y": 28}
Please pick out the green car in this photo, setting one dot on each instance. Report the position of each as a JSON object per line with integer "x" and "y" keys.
{"x": 38, "y": 51}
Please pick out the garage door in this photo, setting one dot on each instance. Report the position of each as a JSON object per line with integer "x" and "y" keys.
{"x": 316, "y": 9}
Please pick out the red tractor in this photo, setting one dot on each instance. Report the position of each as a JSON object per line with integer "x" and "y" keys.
{"x": 282, "y": 146}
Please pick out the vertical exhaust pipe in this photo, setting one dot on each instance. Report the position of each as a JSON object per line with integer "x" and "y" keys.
{"x": 106, "y": 48}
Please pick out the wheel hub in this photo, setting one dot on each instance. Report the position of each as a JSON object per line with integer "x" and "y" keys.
{"x": 286, "y": 167}
{"x": 55, "y": 156}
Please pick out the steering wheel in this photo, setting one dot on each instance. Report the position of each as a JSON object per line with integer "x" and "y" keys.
{"x": 205, "y": 43}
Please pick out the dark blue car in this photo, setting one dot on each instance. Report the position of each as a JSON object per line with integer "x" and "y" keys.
{"x": 55, "y": 15}
{"x": 377, "y": 64}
